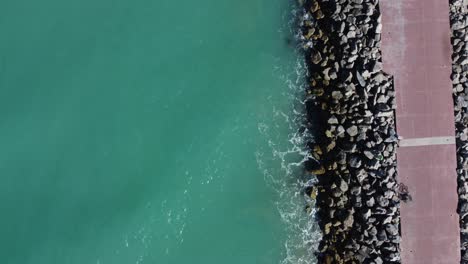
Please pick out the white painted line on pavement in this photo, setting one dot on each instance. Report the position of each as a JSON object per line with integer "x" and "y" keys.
{"x": 414, "y": 142}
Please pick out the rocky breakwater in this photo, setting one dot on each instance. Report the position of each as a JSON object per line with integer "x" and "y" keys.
{"x": 459, "y": 28}
{"x": 350, "y": 109}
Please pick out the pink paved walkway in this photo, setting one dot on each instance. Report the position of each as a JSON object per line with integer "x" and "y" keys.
{"x": 416, "y": 51}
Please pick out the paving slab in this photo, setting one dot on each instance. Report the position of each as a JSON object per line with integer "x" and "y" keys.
{"x": 417, "y": 52}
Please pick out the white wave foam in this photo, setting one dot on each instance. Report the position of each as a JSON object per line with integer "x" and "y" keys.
{"x": 291, "y": 153}
{"x": 282, "y": 163}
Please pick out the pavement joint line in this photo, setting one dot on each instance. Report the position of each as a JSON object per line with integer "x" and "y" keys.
{"x": 427, "y": 141}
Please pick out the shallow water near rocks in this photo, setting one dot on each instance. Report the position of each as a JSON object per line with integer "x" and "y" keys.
{"x": 151, "y": 132}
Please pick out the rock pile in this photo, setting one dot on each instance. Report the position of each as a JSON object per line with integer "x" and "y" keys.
{"x": 350, "y": 106}
{"x": 459, "y": 28}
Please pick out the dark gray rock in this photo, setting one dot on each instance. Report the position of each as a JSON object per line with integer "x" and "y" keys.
{"x": 352, "y": 131}
{"x": 382, "y": 236}
{"x": 356, "y": 190}
{"x": 360, "y": 79}
{"x": 355, "y": 162}
{"x": 370, "y": 202}
{"x": 391, "y": 229}
{"x": 378, "y": 260}
{"x": 382, "y": 201}
{"x": 343, "y": 186}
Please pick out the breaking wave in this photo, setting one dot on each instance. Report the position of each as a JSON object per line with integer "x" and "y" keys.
{"x": 282, "y": 162}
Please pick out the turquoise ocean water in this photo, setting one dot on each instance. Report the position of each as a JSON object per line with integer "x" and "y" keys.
{"x": 150, "y": 132}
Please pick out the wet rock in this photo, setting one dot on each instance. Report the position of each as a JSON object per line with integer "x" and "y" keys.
{"x": 316, "y": 58}
{"x": 319, "y": 171}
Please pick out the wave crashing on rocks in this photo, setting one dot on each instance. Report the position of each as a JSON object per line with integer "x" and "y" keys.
{"x": 350, "y": 106}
